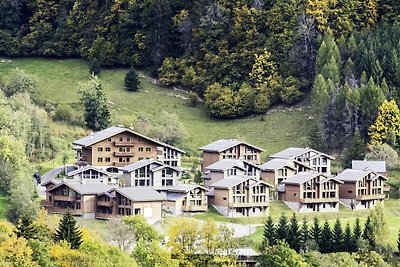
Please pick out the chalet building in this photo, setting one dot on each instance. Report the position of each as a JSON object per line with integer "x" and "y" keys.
{"x": 126, "y": 201}
{"x": 78, "y": 197}
{"x": 90, "y": 173}
{"x": 230, "y": 149}
{"x": 237, "y": 196}
{"x": 185, "y": 198}
{"x": 361, "y": 189}
{"x": 230, "y": 167}
{"x": 318, "y": 161}
{"x": 277, "y": 170}
{"x": 311, "y": 191}
{"x": 118, "y": 147}
{"x": 150, "y": 173}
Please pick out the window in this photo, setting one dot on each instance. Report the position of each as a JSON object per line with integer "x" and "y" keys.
{"x": 128, "y": 139}
{"x": 121, "y": 139}
{"x": 108, "y": 159}
{"x": 78, "y": 197}
{"x": 140, "y": 158}
{"x": 120, "y": 159}
{"x": 108, "y": 149}
{"x": 109, "y": 139}
{"x": 128, "y": 149}
{"x": 128, "y": 159}
{"x": 140, "y": 149}
{"x": 137, "y": 211}
{"x": 148, "y": 149}
{"x": 78, "y": 206}
{"x": 224, "y": 198}
{"x": 121, "y": 149}
{"x": 99, "y": 159}
{"x": 128, "y": 212}
{"x": 100, "y": 149}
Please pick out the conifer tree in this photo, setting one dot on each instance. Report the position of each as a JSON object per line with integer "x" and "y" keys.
{"x": 94, "y": 68}
{"x": 269, "y": 236}
{"x": 368, "y": 233}
{"x": 357, "y": 234}
{"x": 325, "y": 244}
{"x": 319, "y": 95}
{"x": 68, "y": 231}
{"x": 337, "y": 237}
{"x": 294, "y": 234}
{"x": 316, "y": 231}
{"x": 316, "y": 137}
{"x": 132, "y": 80}
{"x": 348, "y": 240}
{"x": 356, "y": 151}
{"x": 304, "y": 235}
{"x": 26, "y": 228}
{"x": 282, "y": 228}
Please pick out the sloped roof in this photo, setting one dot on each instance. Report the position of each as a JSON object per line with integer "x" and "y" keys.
{"x": 223, "y": 144}
{"x": 230, "y": 181}
{"x": 376, "y": 166}
{"x": 114, "y": 130}
{"x": 352, "y": 176}
{"x": 139, "y": 164}
{"x": 72, "y": 173}
{"x": 175, "y": 196}
{"x": 225, "y": 164}
{"x": 301, "y": 177}
{"x": 87, "y": 188}
{"x": 276, "y": 164}
{"x": 184, "y": 187}
{"x": 293, "y": 152}
{"x": 137, "y": 194}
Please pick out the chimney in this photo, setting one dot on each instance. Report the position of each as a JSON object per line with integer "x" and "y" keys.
{"x": 120, "y": 126}
{"x": 91, "y": 135}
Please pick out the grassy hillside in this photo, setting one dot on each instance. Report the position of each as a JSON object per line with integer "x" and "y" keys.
{"x": 58, "y": 81}
{"x": 3, "y": 206}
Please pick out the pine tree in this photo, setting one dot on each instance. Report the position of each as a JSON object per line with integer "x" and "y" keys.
{"x": 357, "y": 234}
{"x": 319, "y": 95}
{"x": 316, "y": 231}
{"x": 269, "y": 236}
{"x": 304, "y": 235}
{"x": 282, "y": 229}
{"x": 26, "y": 228}
{"x": 348, "y": 240}
{"x": 94, "y": 68}
{"x": 316, "y": 137}
{"x": 68, "y": 231}
{"x": 337, "y": 237}
{"x": 294, "y": 234}
{"x": 325, "y": 244}
{"x": 368, "y": 233}
{"x": 356, "y": 151}
{"x": 132, "y": 80}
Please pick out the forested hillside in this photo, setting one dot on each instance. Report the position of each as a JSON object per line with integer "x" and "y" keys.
{"x": 242, "y": 56}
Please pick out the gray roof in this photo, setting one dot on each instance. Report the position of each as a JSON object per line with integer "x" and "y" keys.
{"x": 139, "y": 164}
{"x": 230, "y": 181}
{"x": 223, "y": 144}
{"x": 293, "y": 152}
{"x": 376, "y": 166}
{"x": 114, "y": 130}
{"x": 225, "y": 164}
{"x": 184, "y": 187}
{"x": 300, "y": 178}
{"x": 276, "y": 163}
{"x": 137, "y": 194}
{"x": 88, "y": 168}
{"x": 351, "y": 175}
{"x": 175, "y": 196}
{"x": 86, "y": 188}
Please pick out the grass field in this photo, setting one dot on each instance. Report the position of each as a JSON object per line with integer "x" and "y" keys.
{"x": 58, "y": 81}
{"x": 3, "y": 206}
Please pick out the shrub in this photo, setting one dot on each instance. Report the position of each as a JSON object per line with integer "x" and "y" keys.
{"x": 94, "y": 67}
{"x": 63, "y": 113}
{"x": 193, "y": 98}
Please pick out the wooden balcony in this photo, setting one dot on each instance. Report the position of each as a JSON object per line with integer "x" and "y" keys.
{"x": 64, "y": 198}
{"x": 370, "y": 197}
{"x": 124, "y": 143}
{"x": 194, "y": 208}
{"x": 247, "y": 204}
{"x": 319, "y": 200}
{"x": 105, "y": 203}
{"x": 123, "y": 154}
{"x": 62, "y": 211}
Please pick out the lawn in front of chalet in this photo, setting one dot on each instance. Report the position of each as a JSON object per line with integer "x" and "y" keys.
{"x": 58, "y": 81}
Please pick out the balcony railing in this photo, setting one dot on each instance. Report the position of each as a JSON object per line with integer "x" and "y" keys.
{"x": 123, "y": 154}
{"x": 319, "y": 200}
{"x": 64, "y": 198}
{"x": 104, "y": 203}
{"x": 370, "y": 197}
{"x": 124, "y": 143}
{"x": 61, "y": 210}
{"x": 247, "y": 204}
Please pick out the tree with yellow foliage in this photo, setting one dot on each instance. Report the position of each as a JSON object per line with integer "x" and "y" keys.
{"x": 387, "y": 124}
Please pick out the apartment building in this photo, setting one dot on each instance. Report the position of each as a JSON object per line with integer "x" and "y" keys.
{"x": 277, "y": 170}
{"x": 229, "y": 149}
{"x": 185, "y": 198}
{"x": 310, "y": 191}
{"x": 230, "y": 167}
{"x": 318, "y": 161}
{"x": 361, "y": 189}
{"x": 117, "y": 146}
{"x": 238, "y": 196}
{"x": 90, "y": 173}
